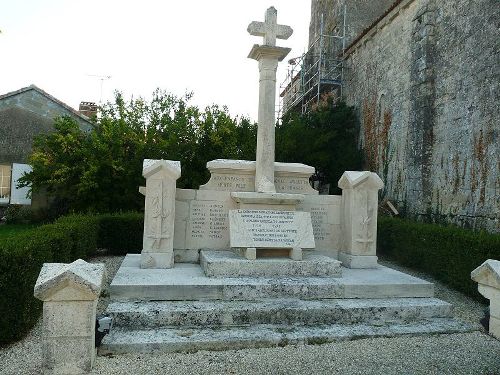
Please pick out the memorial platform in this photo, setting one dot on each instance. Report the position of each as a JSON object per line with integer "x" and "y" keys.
{"x": 184, "y": 309}
{"x": 187, "y": 281}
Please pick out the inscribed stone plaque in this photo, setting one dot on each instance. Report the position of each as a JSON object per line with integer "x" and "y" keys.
{"x": 208, "y": 225}
{"x": 270, "y": 229}
{"x": 325, "y": 217}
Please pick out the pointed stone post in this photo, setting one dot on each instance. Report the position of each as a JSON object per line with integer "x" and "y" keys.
{"x": 487, "y": 275}
{"x": 359, "y": 219}
{"x": 69, "y": 293}
{"x": 268, "y": 56}
{"x": 159, "y": 213}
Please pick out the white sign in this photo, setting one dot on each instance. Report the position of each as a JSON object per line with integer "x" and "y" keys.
{"x": 19, "y": 195}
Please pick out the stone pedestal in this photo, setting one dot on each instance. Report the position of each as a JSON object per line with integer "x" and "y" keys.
{"x": 487, "y": 275}
{"x": 239, "y": 175}
{"x": 359, "y": 219}
{"x": 159, "y": 215}
{"x": 69, "y": 293}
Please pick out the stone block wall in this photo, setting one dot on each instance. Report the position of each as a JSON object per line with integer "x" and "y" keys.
{"x": 360, "y": 14}
{"x": 426, "y": 82}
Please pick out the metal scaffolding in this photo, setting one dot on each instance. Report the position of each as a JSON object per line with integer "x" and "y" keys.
{"x": 315, "y": 73}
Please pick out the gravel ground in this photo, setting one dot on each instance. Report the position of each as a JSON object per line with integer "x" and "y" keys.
{"x": 466, "y": 353}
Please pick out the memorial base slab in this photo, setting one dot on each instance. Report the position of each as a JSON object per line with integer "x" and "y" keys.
{"x": 228, "y": 264}
{"x": 358, "y": 261}
{"x": 157, "y": 260}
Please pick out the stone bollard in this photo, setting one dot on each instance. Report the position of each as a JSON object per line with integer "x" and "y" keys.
{"x": 159, "y": 215}
{"x": 487, "y": 275}
{"x": 69, "y": 293}
{"x": 359, "y": 219}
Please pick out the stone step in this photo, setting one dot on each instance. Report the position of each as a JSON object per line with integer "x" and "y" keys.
{"x": 229, "y": 264}
{"x": 191, "y": 340}
{"x": 276, "y": 311}
{"x": 189, "y": 282}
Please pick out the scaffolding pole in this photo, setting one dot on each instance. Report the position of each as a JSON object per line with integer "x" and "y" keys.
{"x": 317, "y": 72}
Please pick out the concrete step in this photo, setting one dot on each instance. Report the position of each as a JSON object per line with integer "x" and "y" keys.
{"x": 276, "y": 311}
{"x": 229, "y": 264}
{"x": 258, "y": 336}
{"x": 189, "y": 282}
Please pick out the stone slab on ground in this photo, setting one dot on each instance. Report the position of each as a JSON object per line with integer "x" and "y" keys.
{"x": 188, "y": 282}
{"x": 206, "y": 314}
{"x": 229, "y": 264}
{"x": 260, "y": 336}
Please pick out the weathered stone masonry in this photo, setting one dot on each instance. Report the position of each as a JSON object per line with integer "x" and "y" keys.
{"x": 425, "y": 80}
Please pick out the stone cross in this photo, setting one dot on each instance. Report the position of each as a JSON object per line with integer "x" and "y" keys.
{"x": 269, "y": 29}
{"x": 268, "y": 56}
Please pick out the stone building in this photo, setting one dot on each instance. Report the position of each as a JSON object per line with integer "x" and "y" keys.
{"x": 424, "y": 76}
{"x": 25, "y": 113}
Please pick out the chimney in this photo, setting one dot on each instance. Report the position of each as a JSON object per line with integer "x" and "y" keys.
{"x": 88, "y": 109}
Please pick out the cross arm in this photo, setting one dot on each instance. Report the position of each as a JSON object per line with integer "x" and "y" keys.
{"x": 259, "y": 29}
{"x": 256, "y": 28}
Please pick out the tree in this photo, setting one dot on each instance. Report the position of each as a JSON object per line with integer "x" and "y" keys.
{"x": 101, "y": 170}
{"x": 325, "y": 138}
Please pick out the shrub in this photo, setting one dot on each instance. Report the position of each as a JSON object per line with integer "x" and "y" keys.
{"x": 121, "y": 233}
{"x": 22, "y": 255}
{"x": 446, "y": 252}
{"x": 21, "y": 258}
{"x": 83, "y": 231}
{"x": 18, "y": 214}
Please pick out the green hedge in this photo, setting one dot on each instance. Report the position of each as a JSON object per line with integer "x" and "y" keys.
{"x": 121, "y": 233}
{"x": 21, "y": 258}
{"x": 69, "y": 238}
{"x": 83, "y": 231}
{"x": 448, "y": 253}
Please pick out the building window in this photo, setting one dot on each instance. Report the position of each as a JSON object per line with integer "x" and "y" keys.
{"x": 4, "y": 182}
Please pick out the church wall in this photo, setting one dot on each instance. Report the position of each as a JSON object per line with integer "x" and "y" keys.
{"x": 426, "y": 83}
{"x": 360, "y": 14}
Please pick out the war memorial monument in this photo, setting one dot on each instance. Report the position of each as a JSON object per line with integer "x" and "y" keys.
{"x": 256, "y": 257}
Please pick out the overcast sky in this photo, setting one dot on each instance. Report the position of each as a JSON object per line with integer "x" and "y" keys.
{"x": 187, "y": 45}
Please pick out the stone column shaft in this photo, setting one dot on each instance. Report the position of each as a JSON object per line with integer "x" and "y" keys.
{"x": 264, "y": 174}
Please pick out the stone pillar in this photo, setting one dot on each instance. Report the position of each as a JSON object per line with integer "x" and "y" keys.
{"x": 359, "y": 219}
{"x": 159, "y": 214}
{"x": 487, "y": 275}
{"x": 264, "y": 173}
{"x": 69, "y": 293}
